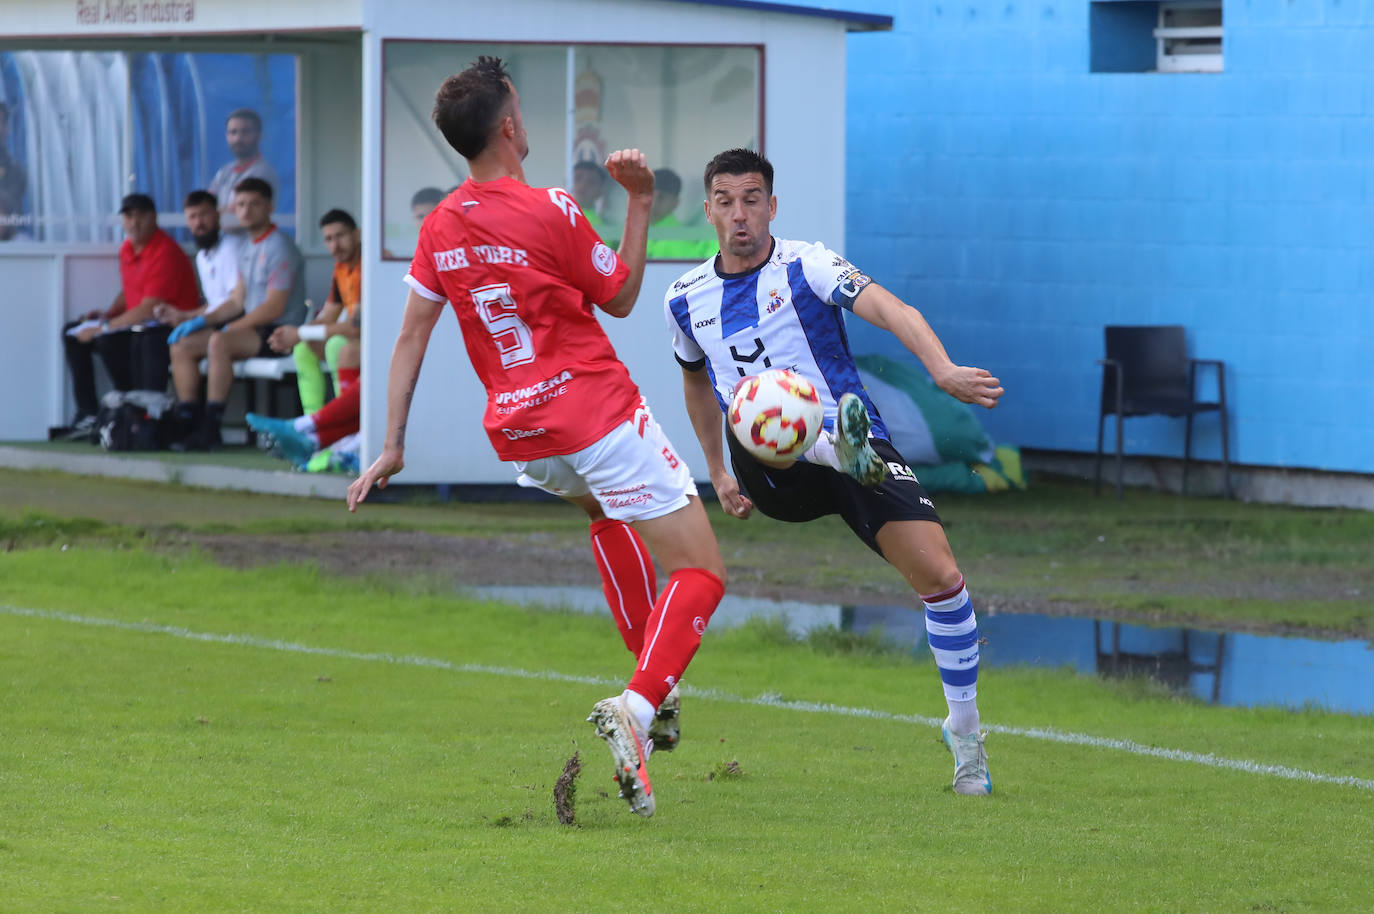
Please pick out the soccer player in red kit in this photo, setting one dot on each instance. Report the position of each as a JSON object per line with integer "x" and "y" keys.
{"x": 523, "y": 269}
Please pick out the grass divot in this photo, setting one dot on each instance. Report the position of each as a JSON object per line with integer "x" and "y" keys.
{"x": 565, "y": 791}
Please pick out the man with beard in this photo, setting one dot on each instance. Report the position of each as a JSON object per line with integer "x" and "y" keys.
{"x": 335, "y": 328}
{"x": 243, "y": 134}
{"x": 217, "y": 256}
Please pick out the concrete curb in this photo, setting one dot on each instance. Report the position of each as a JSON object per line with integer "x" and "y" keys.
{"x": 202, "y": 475}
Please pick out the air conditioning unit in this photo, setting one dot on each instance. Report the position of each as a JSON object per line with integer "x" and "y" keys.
{"x": 1188, "y": 38}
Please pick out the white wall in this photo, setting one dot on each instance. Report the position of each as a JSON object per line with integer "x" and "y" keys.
{"x": 28, "y": 364}
{"x": 804, "y": 61}
{"x": 330, "y": 139}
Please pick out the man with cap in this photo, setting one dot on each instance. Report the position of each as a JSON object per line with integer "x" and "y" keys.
{"x": 153, "y": 271}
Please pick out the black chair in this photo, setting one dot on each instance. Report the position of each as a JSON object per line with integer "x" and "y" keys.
{"x": 1147, "y": 372}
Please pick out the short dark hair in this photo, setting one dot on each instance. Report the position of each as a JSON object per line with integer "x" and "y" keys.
{"x": 200, "y": 197}
{"x": 254, "y": 186}
{"x": 427, "y": 195}
{"x": 469, "y": 105}
{"x": 244, "y": 114}
{"x": 739, "y": 161}
{"x": 137, "y": 203}
{"x": 667, "y": 180}
{"x": 338, "y": 215}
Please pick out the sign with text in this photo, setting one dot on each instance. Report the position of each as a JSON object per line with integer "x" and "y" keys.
{"x": 95, "y": 13}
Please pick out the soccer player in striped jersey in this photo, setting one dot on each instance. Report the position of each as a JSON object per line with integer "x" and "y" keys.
{"x": 765, "y": 302}
{"x": 524, "y": 272}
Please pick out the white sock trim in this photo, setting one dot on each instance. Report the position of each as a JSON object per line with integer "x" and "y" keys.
{"x": 640, "y": 708}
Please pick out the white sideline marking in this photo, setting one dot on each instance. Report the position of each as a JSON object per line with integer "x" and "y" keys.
{"x": 765, "y": 700}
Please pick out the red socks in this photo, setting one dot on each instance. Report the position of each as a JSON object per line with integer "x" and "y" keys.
{"x": 339, "y": 417}
{"x": 627, "y": 578}
{"x": 663, "y": 635}
{"x": 674, "y": 631}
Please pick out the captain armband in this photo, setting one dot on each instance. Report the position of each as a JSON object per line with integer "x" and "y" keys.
{"x": 851, "y": 284}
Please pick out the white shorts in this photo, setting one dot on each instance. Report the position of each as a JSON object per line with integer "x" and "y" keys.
{"x": 634, "y": 472}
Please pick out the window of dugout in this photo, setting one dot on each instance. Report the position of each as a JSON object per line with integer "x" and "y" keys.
{"x": 80, "y": 129}
{"x": 680, "y": 104}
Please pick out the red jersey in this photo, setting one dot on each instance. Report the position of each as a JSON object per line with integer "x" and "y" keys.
{"x": 522, "y": 269}
{"x": 161, "y": 270}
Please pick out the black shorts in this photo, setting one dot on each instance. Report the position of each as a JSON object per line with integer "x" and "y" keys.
{"x": 265, "y": 351}
{"x": 806, "y": 491}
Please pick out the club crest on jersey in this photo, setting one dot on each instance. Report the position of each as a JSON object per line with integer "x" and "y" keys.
{"x": 774, "y": 301}
{"x": 603, "y": 258}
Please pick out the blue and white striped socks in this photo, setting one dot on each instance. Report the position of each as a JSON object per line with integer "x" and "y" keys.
{"x": 952, "y": 631}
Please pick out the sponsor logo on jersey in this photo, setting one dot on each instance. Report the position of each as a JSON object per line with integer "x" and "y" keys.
{"x": 564, "y": 201}
{"x": 706, "y": 323}
{"x": 626, "y": 491}
{"x": 688, "y": 283}
{"x": 456, "y": 259}
{"x": 901, "y": 472}
{"x": 627, "y": 501}
{"x": 604, "y": 259}
{"x": 515, "y": 434}
{"x": 774, "y": 301}
{"x": 499, "y": 253}
{"x": 524, "y": 393}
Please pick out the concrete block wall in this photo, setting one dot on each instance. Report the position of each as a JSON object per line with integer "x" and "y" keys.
{"x": 1022, "y": 202}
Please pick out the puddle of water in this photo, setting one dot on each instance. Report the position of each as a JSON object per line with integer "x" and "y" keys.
{"x": 1226, "y": 668}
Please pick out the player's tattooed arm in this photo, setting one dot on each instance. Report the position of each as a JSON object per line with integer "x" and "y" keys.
{"x": 399, "y": 435}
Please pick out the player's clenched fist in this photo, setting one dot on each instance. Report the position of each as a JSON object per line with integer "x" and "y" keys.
{"x": 631, "y": 171}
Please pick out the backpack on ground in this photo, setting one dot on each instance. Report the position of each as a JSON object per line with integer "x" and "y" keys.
{"x": 135, "y": 420}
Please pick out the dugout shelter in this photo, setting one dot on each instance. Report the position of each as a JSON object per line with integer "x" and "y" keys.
{"x": 109, "y": 97}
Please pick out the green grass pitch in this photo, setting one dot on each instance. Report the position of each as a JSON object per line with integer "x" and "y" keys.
{"x": 177, "y": 736}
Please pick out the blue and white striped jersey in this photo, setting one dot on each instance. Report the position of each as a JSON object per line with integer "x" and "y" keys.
{"x": 786, "y": 313}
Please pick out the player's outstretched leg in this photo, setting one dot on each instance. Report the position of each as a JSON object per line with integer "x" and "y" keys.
{"x": 952, "y": 630}
{"x": 856, "y": 456}
{"x": 630, "y": 748}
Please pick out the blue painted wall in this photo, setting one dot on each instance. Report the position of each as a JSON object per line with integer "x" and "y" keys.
{"x": 1022, "y": 202}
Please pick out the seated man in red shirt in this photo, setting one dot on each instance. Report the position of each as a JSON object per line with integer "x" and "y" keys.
{"x": 153, "y": 270}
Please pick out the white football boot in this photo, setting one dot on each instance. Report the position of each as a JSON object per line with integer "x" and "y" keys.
{"x": 971, "y": 776}
{"x": 857, "y": 457}
{"x": 615, "y": 724}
